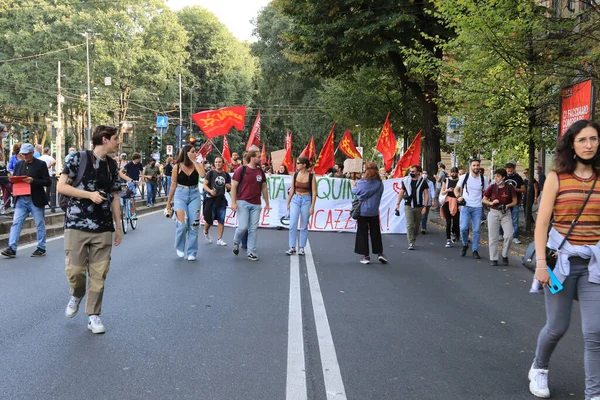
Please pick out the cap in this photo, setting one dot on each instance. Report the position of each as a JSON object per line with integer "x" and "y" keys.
{"x": 27, "y": 148}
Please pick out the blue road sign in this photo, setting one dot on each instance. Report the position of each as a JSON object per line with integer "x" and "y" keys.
{"x": 162, "y": 122}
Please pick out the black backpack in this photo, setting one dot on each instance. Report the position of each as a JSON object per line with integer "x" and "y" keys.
{"x": 467, "y": 180}
{"x": 63, "y": 200}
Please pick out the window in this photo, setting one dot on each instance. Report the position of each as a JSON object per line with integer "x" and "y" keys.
{"x": 125, "y": 137}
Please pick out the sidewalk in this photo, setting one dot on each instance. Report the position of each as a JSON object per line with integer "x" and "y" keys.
{"x": 515, "y": 249}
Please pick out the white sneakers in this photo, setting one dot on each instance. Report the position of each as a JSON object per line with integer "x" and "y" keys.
{"x": 191, "y": 258}
{"x": 72, "y": 307}
{"x": 221, "y": 242}
{"x": 538, "y": 382}
{"x": 516, "y": 241}
{"x": 208, "y": 238}
{"x": 95, "y": 324}
{"x": 180, "y": 254}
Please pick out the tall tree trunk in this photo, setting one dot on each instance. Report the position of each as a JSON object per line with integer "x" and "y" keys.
{"x": 431, "y": 132}
{"x": 531, "y": 165}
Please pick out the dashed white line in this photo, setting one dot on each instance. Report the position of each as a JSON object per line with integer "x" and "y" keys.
{"x": 296, "y": 370}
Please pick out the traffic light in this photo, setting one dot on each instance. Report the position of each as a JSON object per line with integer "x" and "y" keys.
{"x": 25, "y": 135}
{"x": 154, "y": 144}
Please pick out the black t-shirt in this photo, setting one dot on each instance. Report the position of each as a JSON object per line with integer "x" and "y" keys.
{"x": 217, "y": 181}
{"x": 132, "y": 170}
{"x": 84, "y": 214}
{"x": 515, "y": 181}
{"x": 451, "y": 184}
{"x": 168, "y": 169}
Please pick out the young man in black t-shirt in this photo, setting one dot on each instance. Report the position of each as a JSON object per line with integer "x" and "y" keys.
{"x": 93, "y": 214}
{"x": 216, "y": 183}
{"x": 514, "y": 179}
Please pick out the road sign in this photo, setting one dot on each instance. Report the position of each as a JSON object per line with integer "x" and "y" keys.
{"x": 162, "y": 122}
{"x": 169, "y": 150}
{"x": 454, "y": 127}
{"x": 156, "y": 156}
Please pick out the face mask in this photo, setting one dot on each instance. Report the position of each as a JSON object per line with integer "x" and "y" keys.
{"x": 413, "y": 175}
{"x": 425, "y": 176}
{"x": 501, "y": 182}
{"x": 587, "y": 162}
{"x": 454, "y": 176}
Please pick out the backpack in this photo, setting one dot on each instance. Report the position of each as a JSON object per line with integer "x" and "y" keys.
{"x": 310, "y": 179}
{"x": 467, "y": 180}
{"x": 63, "y": 200}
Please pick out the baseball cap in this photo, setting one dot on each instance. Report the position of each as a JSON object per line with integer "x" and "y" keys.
{"x": 27, "y": 148}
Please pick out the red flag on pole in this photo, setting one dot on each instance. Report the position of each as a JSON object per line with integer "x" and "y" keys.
{"x": 309, "y": 151}
{"x": 206, "y": 148}
{"x": 287, "y": 160}
{"x": 226, "y": 151}
{"x": 346, "y": 145}
{"x": 326, "y": 156}
{"x": 386, "y": 144}
{"x": 254, "y": 138}
{"x": 219, "y": 122}
{"x": 411, "y": 156}
{"x": 263, "y": 155}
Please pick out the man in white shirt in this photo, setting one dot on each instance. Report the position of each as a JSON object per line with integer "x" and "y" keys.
{"x": 49, "y": 160}
{"x": 470, "y": 188}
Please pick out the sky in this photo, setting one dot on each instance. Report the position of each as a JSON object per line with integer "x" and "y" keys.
{"x": 235, "y": 14}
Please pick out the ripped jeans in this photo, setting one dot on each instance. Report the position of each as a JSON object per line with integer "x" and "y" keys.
{"x": 188, "y": 200}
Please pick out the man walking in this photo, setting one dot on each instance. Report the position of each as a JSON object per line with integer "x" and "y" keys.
{"x": 249, "y": 182}
{"x": 415, "y": 193}
{"x": 439, "y": 179}
{"x": 36, "y": 172}
{"x": 514, "y": 179}
{"x": 216, "y": 183}
{"x": 151, "y": 174}
{"x": 469, "y": 192}
{"x": 93, "y": 214}
{"x": 429, "y": 203}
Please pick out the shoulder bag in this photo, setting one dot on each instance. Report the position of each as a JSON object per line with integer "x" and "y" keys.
{"x": 356, "y": 203}
{"x": 529, "y": 259}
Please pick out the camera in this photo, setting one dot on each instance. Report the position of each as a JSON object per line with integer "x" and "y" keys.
{"x": 397, "y": 213}
{"x": 462, "y": 202}
{"x": 105, "y": 205}
{"x": 502, "y": 208}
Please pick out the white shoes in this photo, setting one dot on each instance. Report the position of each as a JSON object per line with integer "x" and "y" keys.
{"x": 221, "y": 242}
{"x": 208, "y": 238}
{"x": 180, "y": 254}
{"x": 538, "y": 382}
{"x": 191, "y": 258}
{"x": 72, "y": 307}
{"x": 516, "y": 241}
{"x": 95, "y": 324}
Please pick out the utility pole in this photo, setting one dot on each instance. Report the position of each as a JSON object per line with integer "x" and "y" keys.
{"x": 191, "y": 110}
{"x": 180, "y": 104}
{"x": 88, "y": 133}
{"x": 59, "y": 131}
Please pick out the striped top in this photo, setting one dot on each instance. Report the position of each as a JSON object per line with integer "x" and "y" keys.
{"x": 572, "y": 192}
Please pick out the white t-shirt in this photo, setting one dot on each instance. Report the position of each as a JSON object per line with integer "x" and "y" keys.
{"x": 474, "y": 193}
{"x": 48, "y": 160}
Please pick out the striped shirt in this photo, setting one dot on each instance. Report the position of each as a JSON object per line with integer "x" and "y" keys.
{"x": 572, "y": 192}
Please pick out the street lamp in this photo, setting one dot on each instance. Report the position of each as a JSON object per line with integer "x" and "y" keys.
{"x": 88, "y": 135}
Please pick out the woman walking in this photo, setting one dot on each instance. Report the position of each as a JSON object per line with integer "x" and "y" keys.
{"x": 501, "y": 198}
{"x": 186, "y": 174}
{"x": 301, "y": 203}
{"x": 168, "y": 171}
{"x": 368, "y": 191}
{"x": 577, "y": 164}
{"x": 450, "y": 207}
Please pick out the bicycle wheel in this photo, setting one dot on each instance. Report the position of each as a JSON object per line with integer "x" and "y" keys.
{"x": 124, "y": 217}
{"x": 133, "y": 223}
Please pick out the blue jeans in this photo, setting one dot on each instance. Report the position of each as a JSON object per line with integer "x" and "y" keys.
{"x": 299, "y": 207}
{"x": 187, "y": 200}
{"x": 515, "y": 221}
{"x": 23, "y": 207}
{"x": 468, "y": 214}
{"x": 248, "y": 217}
{"x": 167, "y": 185}
{"x": 151, "y": 192}
{"x": 424, "y": 218}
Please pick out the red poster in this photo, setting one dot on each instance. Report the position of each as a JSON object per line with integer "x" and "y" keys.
{"x": 576, "y": 102}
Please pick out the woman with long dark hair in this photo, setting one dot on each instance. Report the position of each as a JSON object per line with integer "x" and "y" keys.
{"x": 369, "y": 190}
{"x": 577, "y": 165}
{"x": 301, "y": 203}
{"x": 449, "y": 207}
{"x": 184, "y": 189}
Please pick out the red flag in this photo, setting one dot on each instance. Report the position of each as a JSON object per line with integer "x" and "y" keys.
{"x": 326, "y": 156}
{"x": 206, "y": 148}
{"x": 219, "y": 122}
{"x": 287, "y": 160}
{"x": 309, "y": 151}
{"x": 254, "y": 138}
{"x": 226, "y": 151}
{"x": 263, "y": 155}
{"x": 411, "y": 156}
{"x": 386, "y": 144}
{"x": 346, "y": 145}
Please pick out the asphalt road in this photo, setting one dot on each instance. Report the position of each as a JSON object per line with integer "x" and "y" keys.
{"x": 429, "y": 325}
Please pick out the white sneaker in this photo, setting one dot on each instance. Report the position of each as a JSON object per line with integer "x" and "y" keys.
{"x": 191, "y": 258}
{"x": 516, "y": 241}
{"x": 180, "y": 254}
{"x": 208, "y": 238}
{"x": 221, "y": 242}
{"x": 95, "y": 324}
{"x": 301, "y": 251}
{"x": 72, "y": 307}
{"x": 538, "y": 385}
{"x": 448, "y": 243}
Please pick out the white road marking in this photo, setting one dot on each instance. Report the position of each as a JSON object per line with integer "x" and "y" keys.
{"x": 34, "y": 244}
{"x": 296, "y": 370}
{"x": 334, "y": 385}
